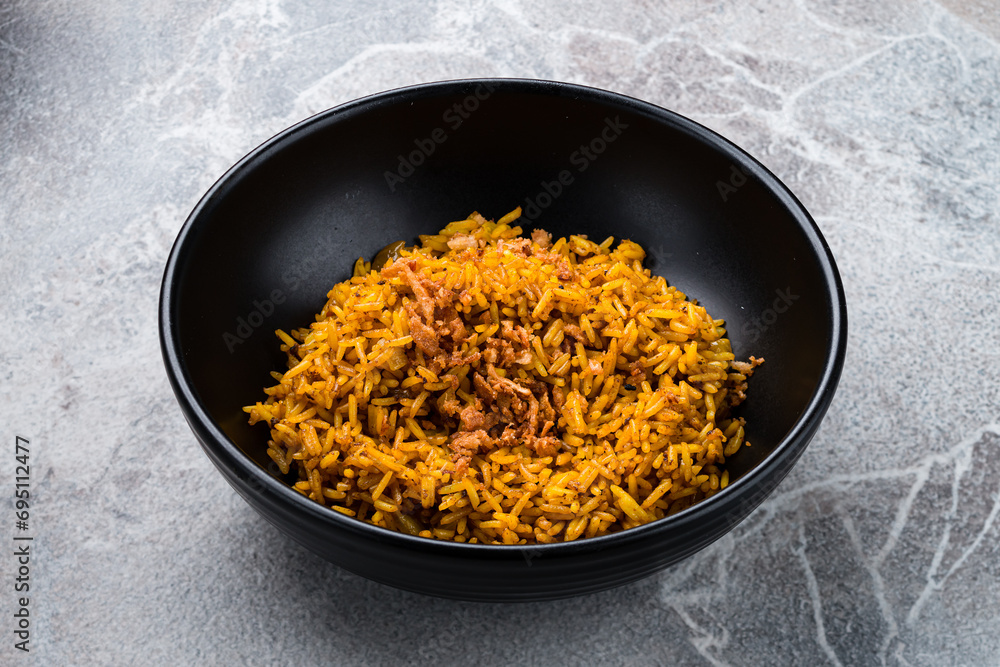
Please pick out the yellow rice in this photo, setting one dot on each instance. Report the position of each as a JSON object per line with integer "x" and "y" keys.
{"x": 355, "y": 416}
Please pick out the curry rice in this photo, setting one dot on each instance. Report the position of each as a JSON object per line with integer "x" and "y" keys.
{"x": 488, "y": 388}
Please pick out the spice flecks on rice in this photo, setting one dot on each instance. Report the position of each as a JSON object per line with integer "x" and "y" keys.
{"x": 488, "y": 388}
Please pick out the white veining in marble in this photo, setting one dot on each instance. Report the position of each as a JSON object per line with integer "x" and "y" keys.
{"x": 883, "y": 545}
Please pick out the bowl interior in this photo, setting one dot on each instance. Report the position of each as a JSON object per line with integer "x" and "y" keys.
{"x": 287, "y": 223}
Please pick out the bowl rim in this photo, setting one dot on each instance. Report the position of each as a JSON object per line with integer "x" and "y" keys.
{"x": 227, "y": 453}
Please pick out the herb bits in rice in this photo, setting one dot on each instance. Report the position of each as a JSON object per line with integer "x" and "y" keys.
{"x": 489, "y": 388}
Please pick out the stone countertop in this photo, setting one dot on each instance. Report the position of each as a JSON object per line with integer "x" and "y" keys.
{"x": 881, "y": 547}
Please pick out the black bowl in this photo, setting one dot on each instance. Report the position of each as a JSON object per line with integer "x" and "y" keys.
{"x": 285, "y": 224}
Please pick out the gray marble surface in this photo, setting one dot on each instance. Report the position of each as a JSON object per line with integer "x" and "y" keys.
{"x": 881, "y": 547}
